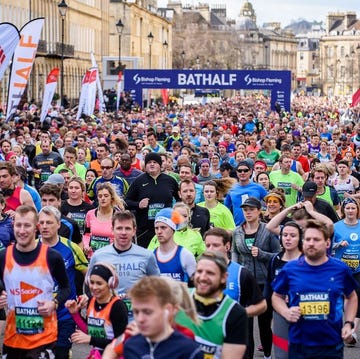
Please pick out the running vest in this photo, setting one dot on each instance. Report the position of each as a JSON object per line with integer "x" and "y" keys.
{"x": 233, "y": 288}
{"x": 26, "y": 285}
{"x": 326, "y": 196}
{"x": 210, "y": 334}
{"x": 13, "y": 201}
{"x": 172, "y": 268}
{"x": 98, "y": 322}
{"x": 343, "y": 186}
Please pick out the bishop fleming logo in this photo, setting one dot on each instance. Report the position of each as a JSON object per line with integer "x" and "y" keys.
{"x": 247, "y": 79}
{"x": 26, "y": 292}
{"x": 137, "y": 79}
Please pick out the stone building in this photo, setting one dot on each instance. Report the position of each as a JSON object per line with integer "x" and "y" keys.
{"x": 340, "y": 54}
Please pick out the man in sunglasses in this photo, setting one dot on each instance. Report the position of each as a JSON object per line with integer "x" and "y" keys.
{"x": 120, "y": 184}
{"x": 242, "y": 190}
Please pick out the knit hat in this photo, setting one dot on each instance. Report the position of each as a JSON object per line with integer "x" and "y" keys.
{"x": 9, "y": 155}
{"x": 170, "y": 217}
{"x": 153, "y": 156}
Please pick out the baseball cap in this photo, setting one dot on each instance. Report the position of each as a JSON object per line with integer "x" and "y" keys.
{"x": 55, "y": 178}
{"x": 251, "y": 202}
{"x": 309, "y": 189}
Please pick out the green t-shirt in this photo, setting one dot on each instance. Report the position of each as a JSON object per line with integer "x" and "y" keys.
{"x": 220, "y": 216}
{"x": 285, "y": 181}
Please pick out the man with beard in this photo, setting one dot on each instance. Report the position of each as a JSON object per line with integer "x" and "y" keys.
{"x": 200, "y": 216}
{"x": 223, "y": 331}
{"x": 310, "y": 293}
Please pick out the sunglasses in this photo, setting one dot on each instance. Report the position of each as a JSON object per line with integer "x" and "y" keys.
{"x": 106, "y": 167}
{"x": 243, "y": 170}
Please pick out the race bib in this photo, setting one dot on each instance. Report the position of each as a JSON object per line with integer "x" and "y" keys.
{"x": 315, "y": 305}
{"x": 97, "y": 242}
{"x": 351, "y": 260}
{"x": 153, "y": 209}
{"x": 96, "y": 327}
{"x": 28, "y": 321}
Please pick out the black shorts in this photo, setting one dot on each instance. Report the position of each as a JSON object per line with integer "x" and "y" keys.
{"x": 45, "y": 351}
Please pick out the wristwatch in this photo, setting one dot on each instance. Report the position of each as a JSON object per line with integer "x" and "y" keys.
{"x": 352, "y": 325}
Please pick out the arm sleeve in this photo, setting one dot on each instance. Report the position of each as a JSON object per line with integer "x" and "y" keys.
{"x": 188, "y": 262}
{"x": 58, "y": 271}
{"x": 119, "y": 321}
{"x": 152, "y": 267}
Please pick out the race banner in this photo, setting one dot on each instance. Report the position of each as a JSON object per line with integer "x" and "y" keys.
{"x": 102, "y": 107}
{"x": 83, "y": 94}
{"x": 22, "y": 64}
{"x": 9, "y": 38}
{"x": 91, "y": 93}
{"x": 165, "y": 96}
{"x": 355, "y": 98}
{"x": 118, "y": 95}
{"x": 49, "y": 92}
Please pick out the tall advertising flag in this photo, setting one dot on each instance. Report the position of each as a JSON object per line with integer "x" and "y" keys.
{"x": 9, "y": 38}
{"x": 91, "y": 93}
{"x": 118, "y": 90}
{"x": 83, "y": 94}
{"x": 22, "y": 64}
{"x": 49, "y": 92}
{"x": 102, "y": 107}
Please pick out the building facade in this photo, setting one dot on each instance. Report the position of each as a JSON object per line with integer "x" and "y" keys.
{"x": 340, "y": 54}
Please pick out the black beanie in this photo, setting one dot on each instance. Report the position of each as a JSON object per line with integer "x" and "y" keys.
{"x": 153, "y": 156}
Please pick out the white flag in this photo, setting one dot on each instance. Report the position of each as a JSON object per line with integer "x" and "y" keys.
{"x": 83, "y": 94}
{"x": 23, "y": 61}
{"x": 102, "y": 107}
{"x": 118, "y": 95}
{"x": 9, "y": 38}
{"x": 49, "y": 92}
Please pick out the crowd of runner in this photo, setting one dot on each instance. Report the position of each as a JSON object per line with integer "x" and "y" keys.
{"x": 256, "y": 211}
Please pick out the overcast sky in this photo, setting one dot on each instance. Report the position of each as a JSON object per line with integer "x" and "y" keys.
{"x": 284, "y": 11}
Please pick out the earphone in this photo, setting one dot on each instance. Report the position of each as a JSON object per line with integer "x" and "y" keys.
{"x": 113, "y": 281}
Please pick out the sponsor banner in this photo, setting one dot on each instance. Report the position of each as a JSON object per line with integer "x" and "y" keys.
{"x": 91, "y": 93}
{"x": 355, "y": 98}
{"x": 118, "y": 95}
{"x": 102, "y": 107}
{"x": 83, "y": 94}
{"x": 49, "y": 92}
{"x": 22, "y": 64}
{"x": 9, "y": 39}
{"x": 165, "y": 96}
{"x": 278, "y": 82}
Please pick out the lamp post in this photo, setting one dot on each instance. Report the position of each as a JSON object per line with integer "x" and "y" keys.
{"x": 150, "y": 40}
{"x": 62, "y": 10}
{"x": 183, "y": 59}
{"x": 165, "y": 47}
{"x": 119, "y": 28}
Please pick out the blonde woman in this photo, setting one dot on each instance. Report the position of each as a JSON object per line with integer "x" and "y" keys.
{"x": 98, "y": 232}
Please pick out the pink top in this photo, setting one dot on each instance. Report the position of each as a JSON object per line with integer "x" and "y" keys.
{"x": 100, "y": 231}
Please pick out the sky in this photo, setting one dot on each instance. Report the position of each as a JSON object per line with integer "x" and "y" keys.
{"x": 283, "y": 11}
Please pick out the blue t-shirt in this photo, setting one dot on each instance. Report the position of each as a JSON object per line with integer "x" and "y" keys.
{"x": 319, "y": 291}
{"x": 237, "y": 196}
{"x": 350, "y": 254}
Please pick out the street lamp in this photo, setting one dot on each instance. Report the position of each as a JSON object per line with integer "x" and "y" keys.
{"x": 62, "y": 10}
{"x": 119, "y": 28}
{"x": 165, "y": 46}
{"x": 183, "y": 59}
{"x": 150, "y": 40}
